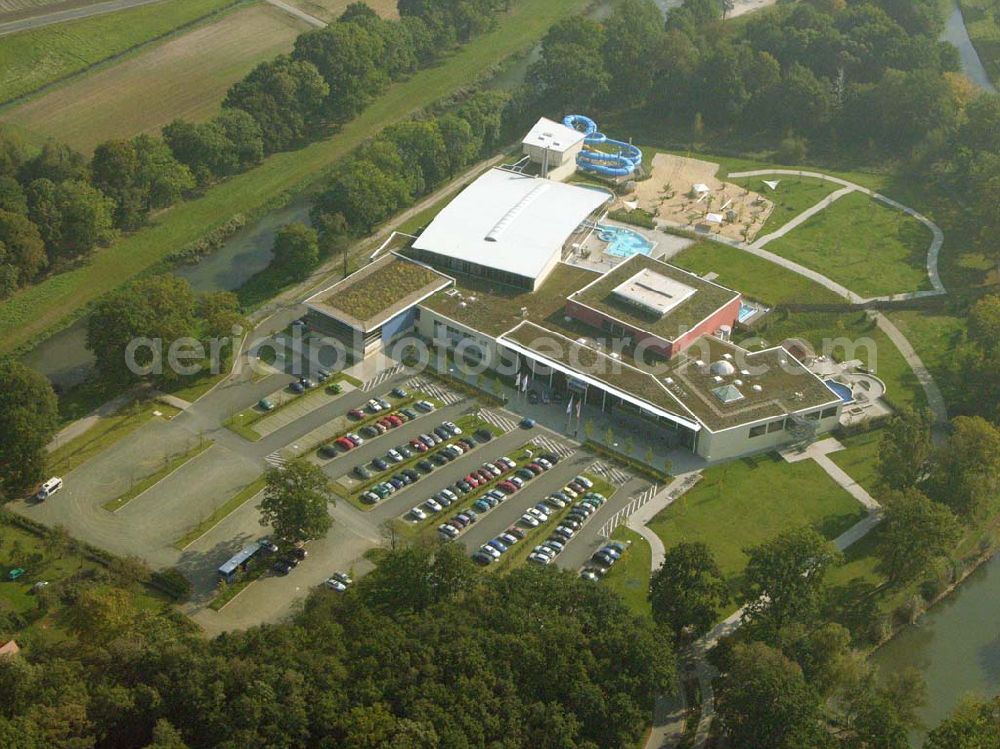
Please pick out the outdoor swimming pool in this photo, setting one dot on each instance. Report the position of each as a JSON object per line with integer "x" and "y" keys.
{"x": 624, "y": 242}
{"x": 842, "y": 391}
{"x": 746, "y": 312}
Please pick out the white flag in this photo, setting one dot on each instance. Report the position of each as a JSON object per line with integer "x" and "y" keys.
{"x": 579, "y": 404}
{"x": 517, "y": 381}
{"x": 524, "y": 383}
{"x": 569, "y": 406}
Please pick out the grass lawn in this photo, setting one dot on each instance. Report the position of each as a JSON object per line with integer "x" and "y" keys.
{"x": 868, "y": 247}
{"x": 171, "y": 465}
{"x": 106, "y": 432}
{"x": 858, "y": 458}
{"x": 755, "y": 278}
{"x": 629, "y": 576}
{"x": 185, "y": 77}
{"x": 983, "y": 24}
{"x": 36, "y": 58}
{"x": 749, "y": 501}
{"x": 33, "y": 311}
{"x": 935, "y": 335}
{"x": 21, "y": 548}
{"x": 793, "y": 196}
{"x": 220, "y": 513}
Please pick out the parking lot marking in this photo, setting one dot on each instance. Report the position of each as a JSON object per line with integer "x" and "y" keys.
{"x": 553, "y": 445}
{"x": 498, "y": 420}
{"x": 443, "y": 394}
{"x": 611, "y": 473}
{"x": 381, "y": 377}
{"x": 276, "y": 459}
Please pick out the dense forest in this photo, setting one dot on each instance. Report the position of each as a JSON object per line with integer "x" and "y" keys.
{"x": 425, "y": 652}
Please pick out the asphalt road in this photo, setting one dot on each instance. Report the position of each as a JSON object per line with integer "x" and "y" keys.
{"x": 69, "y": 14}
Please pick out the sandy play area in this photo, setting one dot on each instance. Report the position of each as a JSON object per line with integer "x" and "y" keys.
{"x": 676, "y": 193}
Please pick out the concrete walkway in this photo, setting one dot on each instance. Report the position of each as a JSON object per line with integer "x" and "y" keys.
{"x": 80, "y": 426}
{"x": 69, "y": 14}
{"x": 301, "y": 14}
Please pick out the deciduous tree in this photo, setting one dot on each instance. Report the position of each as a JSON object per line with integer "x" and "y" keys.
{"x": 688, "y": 589}
{"x": 29, "y": 414}
{"x": 296, "y": 501}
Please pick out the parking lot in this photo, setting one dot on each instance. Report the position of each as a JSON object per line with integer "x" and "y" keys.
{"x": 150, "y": 524}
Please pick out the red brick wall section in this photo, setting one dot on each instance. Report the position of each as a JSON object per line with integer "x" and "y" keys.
{"x": 723, "y": 316}
{"x": 726, "y": 315}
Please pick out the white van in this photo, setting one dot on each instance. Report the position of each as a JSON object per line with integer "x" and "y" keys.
{"x": 49, "y": 488}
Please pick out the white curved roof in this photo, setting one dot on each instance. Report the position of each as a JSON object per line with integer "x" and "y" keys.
{"x": 510, "y": 221}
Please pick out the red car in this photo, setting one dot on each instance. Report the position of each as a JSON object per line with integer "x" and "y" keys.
{"x": 386, "y": 423}
{"x": 508, "y": 487}
{"x": 535, "y": 468}
{"x": 394, "y": 420}
{"x": 419, "y": 446}
{"x": 345, "y": 443}
{"x": 356, "y": 413}
{"x": 473, "y": 480}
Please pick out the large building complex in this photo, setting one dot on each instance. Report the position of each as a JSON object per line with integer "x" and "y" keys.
{"x": 499, "y": 278}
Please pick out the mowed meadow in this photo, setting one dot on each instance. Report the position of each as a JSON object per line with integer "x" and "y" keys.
{"x": 186, "y": 76}
{"x": 31, "y": 60}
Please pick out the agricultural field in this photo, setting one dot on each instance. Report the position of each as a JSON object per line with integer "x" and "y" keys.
{"x": 32, "y": 59}
{"x": 35, "y": 310}
{"x": 330, "y": 10}
{"x": 14, "y": 9}
{"x": 868, "y": 247}
{"x": 185, "y": 77}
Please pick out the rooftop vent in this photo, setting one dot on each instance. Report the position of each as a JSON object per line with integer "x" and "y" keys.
{"x": 727, "y": 356}
{"x": 717, "y": 378}
{"x": 699, "y": 363}
{"x": 737, "y": 383}
{"x": 745, "y": 372}
{"x": 756, "y": 388}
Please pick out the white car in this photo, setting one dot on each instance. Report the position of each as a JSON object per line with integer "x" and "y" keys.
{"x": 544, "y": 463}
{"x": 394, "y": 456}
{"x": 334, "y": 584}
{"x": 434, "y": 505}
{"x": 418, "y": 514}
{"x": 450, "y": 494}
{"x": 448, "y": 531}
{"x": 487, "y": 549}
{"x": 584, "y": 481}
{"x": 374, "y": 406}
{"x": 538, "y": 514}
{"x": 528, "y": 520}
{"x": 452, "y": 427}
{"x": 539, "y": 559}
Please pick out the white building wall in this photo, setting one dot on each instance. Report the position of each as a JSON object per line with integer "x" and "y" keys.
{"x": 735, "y": 442}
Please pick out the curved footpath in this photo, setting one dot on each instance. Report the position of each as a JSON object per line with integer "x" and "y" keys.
{"x": 669, "y": 725}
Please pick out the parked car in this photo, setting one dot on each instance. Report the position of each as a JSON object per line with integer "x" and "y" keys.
{"x": 448, "y": 531}
{"x": 419, "y": 446}
{"x": 265, "y": 405}
{"x": 335, "y": 585}
{"x": 394, "y": 455}
{"x": 281, "y": 567}
{"x": 400, "y": 393}
{"x": 374, "y": 406}
{"x": 299, "y": 552}
{"x": 356, "y": 413}
{"x": 355, "y": 439}
{"x": 306, "y": 383}
{"x": 386, "y": 405}
{"x": 418, "y": 514}
{"x": 297, "y": 388}
{"x": 369, "y": 497}
{"x": 362, "y": 473}
{"x": 452, "y": 427}
{"x": 425, "y": 406}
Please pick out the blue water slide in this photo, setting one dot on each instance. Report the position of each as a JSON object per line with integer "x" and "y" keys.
{"x": 619, "y": 163}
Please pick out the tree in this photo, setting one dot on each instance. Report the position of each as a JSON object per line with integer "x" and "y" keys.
{"x": 460, "y": 143}
{"x": 966, "y": 469}
{"x": 571, "y": 71}
{"x": 633, "y": 43}
{"x": 365, "y": 194}
{"x": 157, "y": 308}
{"x": 972, "y": 725}
{"x": 56, "y": 161}
{"x": 284, "y": 96}
{"x": 916, "y": 532}
{"x": 202, "y": 146}
{"x": 349, "y": 58}
{"x": 422, "y": 149}
{"x": 688, "y": 589}
{"x": 165, "y": 736}
{"x": 984, "y": 322}
{"x": 29, "y": 414}
{"x": 246, "y": 142}
{"x": 22, "y": 251}
{"x": 784, "y": 579}
{"x": 904, "y": 449}
{"x": 296, "y": 250}
{"x": 296, "y": 499}
{"x": 763, "y": 700}
{"x": 12, "y": 197}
